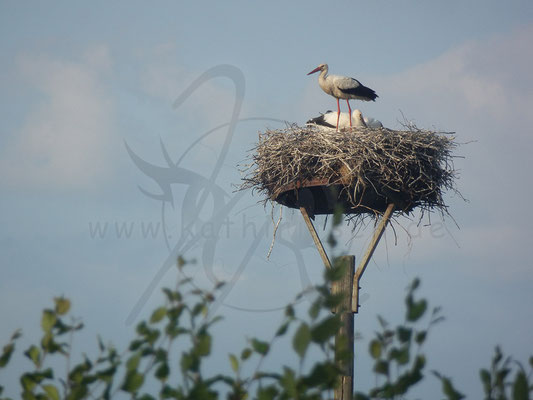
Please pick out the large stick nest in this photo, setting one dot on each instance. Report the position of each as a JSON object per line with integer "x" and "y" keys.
{"x": 368, "y": 168}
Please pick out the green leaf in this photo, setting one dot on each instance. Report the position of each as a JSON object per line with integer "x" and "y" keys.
{"x": 325, "y": 330}
{"x": 381, "y": 367}
{"x": 400, "y": 355}
{"x": 198, "y": 309}
{"x": 314, "y": 310}
{"x": 161, "y": 355}
{"x": 132, "y": 382}
{"x": 27, "y": 382}
{"x": 30, "y": 379}
{"x": 288, "y": 382}
{"x": 337, "y": 272}
{"x": 78, "y": 373}
{"x": 501, "y": 375}
{"x": 448, "y": 389}
{"x": 201, "y": 390}
{"x": 520, "y": 387}
{"x": 420, "y": 362}
{"x": 404, "y": 334}
{"x": 133, "y": 362}
{"x": 246, "y": 353}
{"x": 301, "y": 339}
{"x": 282, "y": 330}
{"x": 190, "y": 362}
{"x": 267, "y": 393}
{"x": 324, "y": 375}
{"x": 173, "y": 331}
{"x": 101, "y": 345}
{"x": 497, "y": 356}
{"x": 158, "y": 315}
{"x": 234, "y": 363}
{"x": 203, "y": 344}
{"x": 79, "y": 392}
{"x": 486, "y": 380}
{"x": 152, "y": 336}
{"x": 331, "y": 240}
{"x": 136, "y": 344}
{"x": 107, "y": 374}
{"x": 169, "y": 293}
{"x": 375, "y": 349}
{"x": 260, "y": 347}
{"x": 48, "y": 343}
{"x": 175, "y": 312}
{"x": 170, "y": 393}
{"x": 415, "y": 310}
{"x": 62, "y": 305}
{"x": 6, "y": 354}
{"x": 414, "y": 285}
{"x": 16, "y": 335}
{"x": 420, "y": 337}
{"x": 162, "y": 372}
{"x": 382, "y": 322}
{"x": 289, "y": 311}
{"x": 51, "y": 391}
{"x": 48, "y": 320}
{"x": 34, "y": 354}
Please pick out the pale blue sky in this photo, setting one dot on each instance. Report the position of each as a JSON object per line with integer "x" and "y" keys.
{"x": 78, "y": 81}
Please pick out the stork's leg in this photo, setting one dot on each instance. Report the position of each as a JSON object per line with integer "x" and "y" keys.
{"x": 338, "y": 113}
{"x": 349, "y": 112}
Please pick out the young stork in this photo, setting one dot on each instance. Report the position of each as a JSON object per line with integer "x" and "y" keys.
{"x": 343, "y": 87}
{"x": 329, "y": 118}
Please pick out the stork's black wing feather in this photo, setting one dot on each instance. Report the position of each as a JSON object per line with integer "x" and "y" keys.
{"x": 361, "y": 91}
{"x": 320, "y": 121}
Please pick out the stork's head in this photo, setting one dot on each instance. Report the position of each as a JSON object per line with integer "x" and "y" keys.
{"x": 320, "y": 68}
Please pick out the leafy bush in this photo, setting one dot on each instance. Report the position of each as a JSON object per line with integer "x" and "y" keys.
{"x": 153, "y": 356}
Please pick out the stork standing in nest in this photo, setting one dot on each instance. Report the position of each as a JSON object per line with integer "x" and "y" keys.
{"x": 343, "y": 87}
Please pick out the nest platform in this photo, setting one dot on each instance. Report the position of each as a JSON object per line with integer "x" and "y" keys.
{"x": 361, "y": 171}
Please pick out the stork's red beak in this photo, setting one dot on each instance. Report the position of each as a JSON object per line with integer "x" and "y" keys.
{"x": 313, "y": 71}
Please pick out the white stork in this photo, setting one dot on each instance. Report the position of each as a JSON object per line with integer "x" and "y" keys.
{"x": 329, "y": 119}
{"x": 343, "y": 87}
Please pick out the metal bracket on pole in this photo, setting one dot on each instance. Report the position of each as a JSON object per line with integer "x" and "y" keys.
{"x": 368, "y": 255}
{"x": 315, "y": 237}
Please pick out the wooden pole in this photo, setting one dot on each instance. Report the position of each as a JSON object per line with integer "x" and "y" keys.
{"x": 348, "y": 286}
{"x": 315, "y": 237}
{"x": 368, "y": 255}
{"x": 344, "y": 340}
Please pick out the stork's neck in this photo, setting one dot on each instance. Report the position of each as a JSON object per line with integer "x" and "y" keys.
{"x": 359, "y": 117}
{"x": 322, "y": 79}
{"x": 323, "y": 73}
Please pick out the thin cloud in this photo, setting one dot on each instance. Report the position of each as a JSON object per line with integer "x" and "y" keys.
{"x": 163, "y": 77}
{"x": 65, "y": 138}
{"x": 486, "y": 80}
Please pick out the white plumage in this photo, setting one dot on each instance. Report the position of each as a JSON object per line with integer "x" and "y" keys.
{"x": 329, "y": 120}
{"x": 373, "y": 123}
